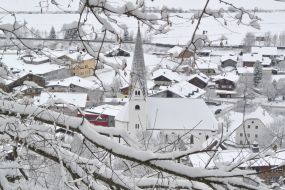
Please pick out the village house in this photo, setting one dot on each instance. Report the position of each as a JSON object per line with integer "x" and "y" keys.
{"x": 29, "y": 88}
{"x": 182, "y": 89}
{"x": 226, "y": 84}
{"x": 206, "y": 68}
{"x": 77, "y": 84}
{"x": 82, "y": 64}
{"x": 103, "y": 115}
{"x": 165, "y": 77}
{"x": 178, "y": 52}
{"x": 229, "y": 61}
{"x": 269, "y": 168}
{"x": 256, "y": 128}
{"x": 249, "y": 59}
{"x": 19, "y": 79}
{"x": 35, "y": 59}
{"x": 64, "y": 102}
{"x": 270, "y": 52}
{"x": 116, "y": 52}
{"x": 200, "y": 80}
{"x": 168, "y": 116}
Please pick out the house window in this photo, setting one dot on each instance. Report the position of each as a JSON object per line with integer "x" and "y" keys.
{"x": 240, "y": 142}
{"x": 256, "y": 127}
{"x": 137, "y": 126}
{"x": 241, "y": 134}
{"x": 137, "y": 107}
{"x": 248, "y": 126}
{"x": 256, "y": 135}
{"x": 252, "y": 122}
{"x": 248, "y": 135}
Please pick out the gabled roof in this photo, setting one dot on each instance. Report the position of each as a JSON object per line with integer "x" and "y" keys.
{"x": 229, "y": 57}
{"x": 251, "y": 57}
{"x": 175, "y": 114}
{"x": 116, "y": 49}
{"x": 227, "y": 76}
{"x": 106, "y": 109}
{"x": 237, "y": 118}
{"x": 78, "y": 56}
{"x": 185, "y": 90}
{"x": 175, "y": 51}
{"x": 167, "y": 73}
{"x": 205, "y": 65}
{"x": 76, "y": 99}
{"x": 265, "y": 51}
{"x": 179, "y": 114}
{"x": 201, "y": 76}
{"x": 75, "y": 80}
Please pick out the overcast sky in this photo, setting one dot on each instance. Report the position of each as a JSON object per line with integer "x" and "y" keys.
{"x": 28, "y": 5}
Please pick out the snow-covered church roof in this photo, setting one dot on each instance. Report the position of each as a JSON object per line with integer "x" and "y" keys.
{"x": 175, "y": 114}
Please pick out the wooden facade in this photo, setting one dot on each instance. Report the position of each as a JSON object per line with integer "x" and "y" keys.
{"x": 29, "y": 77}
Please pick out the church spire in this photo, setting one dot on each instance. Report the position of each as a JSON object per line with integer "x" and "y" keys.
{"x": 138, "y": 72}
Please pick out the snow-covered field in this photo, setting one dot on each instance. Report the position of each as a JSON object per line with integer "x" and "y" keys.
{"x": 180, "y": 32}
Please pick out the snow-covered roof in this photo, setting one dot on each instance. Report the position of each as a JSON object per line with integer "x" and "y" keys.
{"x": 74, "y": 80}
{"x": 266, "y": 61}
{"x": 245, "y": 70}
{"x": 184, "y": 89}
{"x": 175, "y": 114}
{"x": 265, "y": 51}
{"x": 12, "y": 62}
{"x": 229, "y": 57}
{"x": 231, "y": 76}
{"x": 76, "y": 99}
{"x": 225, "y": 92}
{"x": 206, "y": 65}
{"x": 251, "y": 57}
{"x": 35, "y": 58}
{"x": 179, "y": 114}
{"x": 201, "y": 76}
{"x": 106, "y": 109}
{"x": 233, "y": 156}
{"x": 175, "y": 51}
{"x": 79, "y": 56}
{"x": 115, "y": 49}
{"x": 167, "y": 73}
{"x": 261, "y": 114}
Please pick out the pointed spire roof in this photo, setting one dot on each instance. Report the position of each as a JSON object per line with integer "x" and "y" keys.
{"x": 138, "y": 72}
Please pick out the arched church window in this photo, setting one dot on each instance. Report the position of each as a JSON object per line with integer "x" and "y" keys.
{"x": 136, "y": 92}
{"x": 137, "y": 107}
{"x": 139, "y": 92}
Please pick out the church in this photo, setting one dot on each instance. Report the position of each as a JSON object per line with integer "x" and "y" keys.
{"x": 168, "y": 116}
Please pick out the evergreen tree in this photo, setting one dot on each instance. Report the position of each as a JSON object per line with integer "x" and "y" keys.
{"x": 52, "y": 34}
{"x": 257, "y": 75}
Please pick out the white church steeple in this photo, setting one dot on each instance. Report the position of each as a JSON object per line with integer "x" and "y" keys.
{"x": 137, "y": 89}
